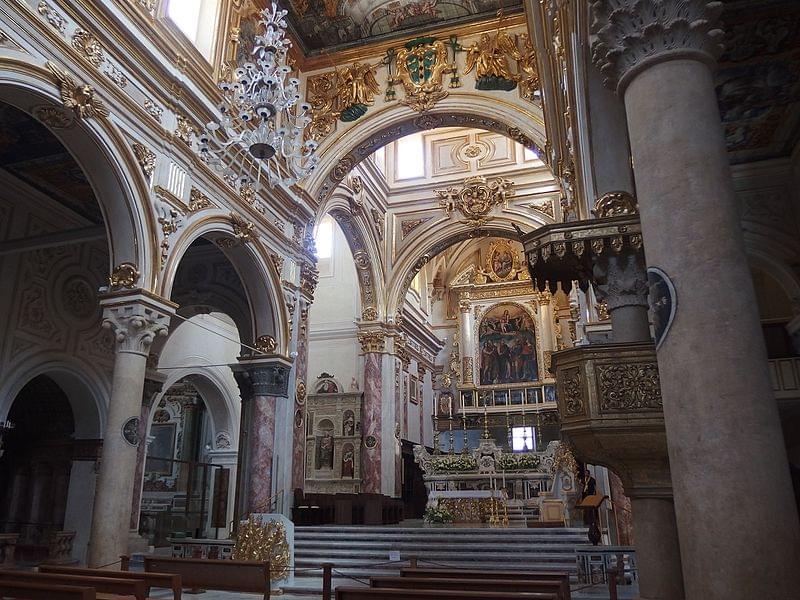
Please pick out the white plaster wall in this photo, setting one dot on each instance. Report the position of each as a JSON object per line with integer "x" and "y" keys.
{"x": 333, "y": 345}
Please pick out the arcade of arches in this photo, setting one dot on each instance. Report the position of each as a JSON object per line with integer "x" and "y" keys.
{"x": 563, "y": 257}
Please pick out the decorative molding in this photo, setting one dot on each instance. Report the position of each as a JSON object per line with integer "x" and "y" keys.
{"x": 476, "y": 198}
{"x": 184, "y": 130}
{"x": 145, "y": 157}
{"x": 409, "y": 225}
{"x": 544, "y": 207}
{"x": 309, "y": 277}
{"x": 267, "y": 378}
{"x": 153, "y": 109}
{"x": 633, "y": 34}
{"x": 135, "y": 325}
{"x": 88, "y": 45}
{"x": 198, "y": 200}
{"x": 53, "y": 17}
{"x": 629, "y": 387}
{"x": 572, "y": 391}
{"x": 80, "y": 98}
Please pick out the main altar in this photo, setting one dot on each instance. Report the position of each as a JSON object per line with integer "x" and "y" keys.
{"x": 479, "y": 485}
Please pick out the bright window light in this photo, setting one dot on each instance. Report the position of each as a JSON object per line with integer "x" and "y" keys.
{"x": 324, "y": 238}
{"x": 410, "y": 157}
{"x": 522, "y": 439}
{"x": 379, "y": 157}
{"x": 186, "y": 15}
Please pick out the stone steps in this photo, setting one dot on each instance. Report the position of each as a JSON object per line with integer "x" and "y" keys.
{"x": 359, "y": 553}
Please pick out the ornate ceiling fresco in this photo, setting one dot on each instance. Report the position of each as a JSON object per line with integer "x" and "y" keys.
{"x": 758, "y": 82}
{"x": 332, "y": 25}
{"x": 31, "y": 153}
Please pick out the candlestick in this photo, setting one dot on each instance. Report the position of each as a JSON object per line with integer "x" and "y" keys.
{"x": 466, "y": 439}
{"x": 485, "y": 424}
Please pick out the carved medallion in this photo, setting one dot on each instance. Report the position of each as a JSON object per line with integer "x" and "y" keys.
{"x": 130, "y": 431}
{"x": 124, "y": 275}
{"x": 663, "y": 301}
{"x": 266, "y": 344}
{"x": 370, "y": 442}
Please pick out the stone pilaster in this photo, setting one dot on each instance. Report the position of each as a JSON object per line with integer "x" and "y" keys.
{"x": 711, "y": 357}
{"x": 136, "y": 318}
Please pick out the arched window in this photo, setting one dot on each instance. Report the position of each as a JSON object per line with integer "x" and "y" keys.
{"x": 197, "y": 20}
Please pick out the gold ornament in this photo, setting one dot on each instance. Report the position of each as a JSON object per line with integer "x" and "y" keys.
{"x": 145, "y": 157}
{"x": 420, "y": 69}
{"x": 258, "y": 541}
{"x": 476, "y": 197}
{"x": 124, "y": 275}
{"x": 78, "y": 97}
{"x": 266, "y": 344}
{"x": 614, "y": 204}
{"x": 198, "y": 200}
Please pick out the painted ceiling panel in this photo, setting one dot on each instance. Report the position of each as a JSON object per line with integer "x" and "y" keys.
{"x": 331, "y": 25}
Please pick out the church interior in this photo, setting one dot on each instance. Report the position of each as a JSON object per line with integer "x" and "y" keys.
{"x": 407, "y": 299}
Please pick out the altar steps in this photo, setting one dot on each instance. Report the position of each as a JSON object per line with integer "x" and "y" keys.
{"x": 358, "y": 553}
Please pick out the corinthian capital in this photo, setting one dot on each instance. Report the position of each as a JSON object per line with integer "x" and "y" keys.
{"x": 633, "y": 34}
{"x": 136, "y": 319}
{"x": 621, "y": 280}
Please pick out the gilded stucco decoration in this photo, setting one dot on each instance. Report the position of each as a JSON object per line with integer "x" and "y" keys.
{"x": 344, "y": 94}
{"x": 309, "y": 276}
{"x": 420, "y": 67}
{"x": 503, "y": 263}
{"x": 145, "y": 157}
{"x": 545, "y": 207}
{"x": 370, "y": 313}
{"x": 613, "y": 204}
{"x": 88, "y": 45}
{"x": 184, "y": 131}
{"x": 476, "y": 198}
{"x": 153, "y": 109}
{"x": 373, "y": 340}
{"x": 243, "y": 232}
{"x": 266, "y": 344}
{"x": 124, "y": 275}
{"x": 301, "y": 392}
{"x": 80, "y": 98}
{"x": 53, "y": 17}
{"x": 198, "y": 200}
{"x": 409, "y": 225}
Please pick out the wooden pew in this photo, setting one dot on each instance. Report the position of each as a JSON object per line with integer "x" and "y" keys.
{"x": 370, "y": 593}
{"x": 151, "y": 580}
{"x": 225, "y": 575}
{"x": 546, "y": 590}
{"x": 441, "y": 573}
{"x": 104, "y": 585}
{"x": 37, "y": 591}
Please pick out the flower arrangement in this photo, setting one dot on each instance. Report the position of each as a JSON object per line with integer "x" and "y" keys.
{"x": 454, "y": 463}
{"x": 518, "y": 462}
{"x": 437, "y": 515}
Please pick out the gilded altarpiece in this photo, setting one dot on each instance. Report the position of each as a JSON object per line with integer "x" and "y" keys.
{"x": 333, "y": 441}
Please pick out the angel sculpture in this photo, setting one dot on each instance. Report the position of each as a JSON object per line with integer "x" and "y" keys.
{"x": 357, "y": 89}
{"x": 489, "y": 57}
{"x": 78, "y": 97}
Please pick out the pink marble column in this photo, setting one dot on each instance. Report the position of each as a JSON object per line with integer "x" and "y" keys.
{"x": 399, "y": 418}
{"x": 371, "y": 423}
{"x": 262, "y": 383}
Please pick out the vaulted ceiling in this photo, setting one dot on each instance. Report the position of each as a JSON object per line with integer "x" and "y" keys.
{"x": 332, "y": 25}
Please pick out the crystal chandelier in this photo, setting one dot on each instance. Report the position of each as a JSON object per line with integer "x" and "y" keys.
{"x": 262, "y": 126}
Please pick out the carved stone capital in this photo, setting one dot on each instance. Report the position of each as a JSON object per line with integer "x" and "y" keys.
{"x": 634, "y": 34}
{"x": 372, "y": 340}
{"x": 263, "y": 377}
{"x": 136, "y": 319}
{"x": 620, "y": 280}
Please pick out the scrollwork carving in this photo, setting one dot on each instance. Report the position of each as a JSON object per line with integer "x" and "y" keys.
{"x": 629, "y": 387}
{"x": 572, "y": 391}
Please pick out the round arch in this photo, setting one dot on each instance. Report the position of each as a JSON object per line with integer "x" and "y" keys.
{"x": 339, "y": 154}
{"x": 100, "y": 149}
{"x": 412, "y": 260}
{"x": 256, "y": 271}
{"x": 86, "y": 390}
{"x": 364, "y": 249}
{"x": 211, "y": 386}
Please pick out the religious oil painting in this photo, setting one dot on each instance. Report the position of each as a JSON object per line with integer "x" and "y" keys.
{"x": 507, "y": 346}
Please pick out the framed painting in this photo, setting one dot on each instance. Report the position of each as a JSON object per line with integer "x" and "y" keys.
{"x": 162, "y": 448}
{"x": 507, "y": 342}
{"x": 413, "y": 389}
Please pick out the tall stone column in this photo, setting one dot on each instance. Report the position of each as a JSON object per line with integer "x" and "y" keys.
{"x": 373, "y": 343}
{"x": 136, "y": 318}
{"x": 466, "y": 346}
{"x": 263, "y": 382}
{"x": 742, "y": 540}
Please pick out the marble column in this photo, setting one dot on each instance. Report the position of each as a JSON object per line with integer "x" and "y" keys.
{"x": 466, "y": 346}
{"x": 371, "y": 418}
{"x": 743, "y": 539}
{"x": 261, "y": 381}
{"x": 136, "y": 318}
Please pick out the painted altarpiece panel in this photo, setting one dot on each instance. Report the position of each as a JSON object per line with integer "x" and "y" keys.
{"x": 507, "y": 346}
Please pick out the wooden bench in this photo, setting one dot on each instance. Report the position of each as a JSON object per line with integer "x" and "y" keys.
{"x": 370, "y": 593}
{"x": 546, "y": 590}
{"x": 204, "y": 573}
{"x": 105, "y": 585}
{"x": 560, "y": 576}
{"x": 151, "y": 580}
{"x": 37, "y": 591}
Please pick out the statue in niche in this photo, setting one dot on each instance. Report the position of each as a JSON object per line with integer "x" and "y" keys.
{"x": 348, "y": 464}
{"x": 325, "y": 451}
{"x": 349, "y": 424}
